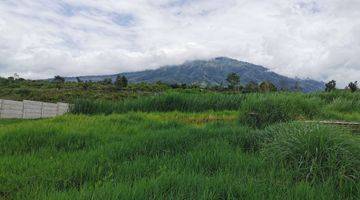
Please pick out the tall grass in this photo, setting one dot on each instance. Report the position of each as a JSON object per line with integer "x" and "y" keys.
{"x": 261, "y": 110}
{"x": 315, "y": 153}
{"x": 157, "y": 156}
{"x": 186, "y": 102}
{"x": 329, "y": 97}
{"x": 264, "y": 108}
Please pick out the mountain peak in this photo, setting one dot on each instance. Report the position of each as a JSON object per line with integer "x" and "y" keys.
{"x": 224, "y": 59}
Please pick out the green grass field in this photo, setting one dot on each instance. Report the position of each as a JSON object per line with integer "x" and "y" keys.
{"x": 175, "y": 155}
{"x": 187, "y": 146}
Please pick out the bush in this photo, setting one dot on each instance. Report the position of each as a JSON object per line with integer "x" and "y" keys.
{"x": 262, "y": 110}
{"x": 316, "y": 153}
{"x": 23, "y": 92}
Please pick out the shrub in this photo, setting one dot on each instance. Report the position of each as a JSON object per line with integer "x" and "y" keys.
{"x": 262, "y": 110}
{"x": 316, "y": 153}
{"x": 23, "y": 92}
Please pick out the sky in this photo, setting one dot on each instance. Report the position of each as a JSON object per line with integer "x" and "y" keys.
{"x": 318, "y": 39}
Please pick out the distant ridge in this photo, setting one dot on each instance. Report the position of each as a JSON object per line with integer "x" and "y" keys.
{"x": 211, "y": 72}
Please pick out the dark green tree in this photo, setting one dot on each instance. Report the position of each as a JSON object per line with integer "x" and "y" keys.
{"x": 267, "y": 86}
{"x": 353, "y": 86}
{"x": 124, "y": 81}
{"x": 106, "y": 81}
{"x": 233, "y": 79}
{"x": 85, "y": 85}
{"x": 59, "y": 81}
{"x": 330, "y": 86}
{"x": 78, "y": 80}
{"x": 251, "y": 87}
{"x": 121, "y": 82}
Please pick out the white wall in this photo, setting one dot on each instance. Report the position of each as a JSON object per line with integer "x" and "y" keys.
{"x": 31, "y": 109}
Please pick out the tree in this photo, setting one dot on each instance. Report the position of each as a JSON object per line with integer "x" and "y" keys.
{"x": 59, "y": 81}
{"x": 160, "y": 83}
{"x": 251, "y": 87}
{"x": 353, "y": 86}
{"x": 297, "y": 86}
{"x": 124, "y": 81}
{"x": 121, "y": 82}
{"x": 267, "y": 86}
{"x": 78, "y": 80}
{"x": 233, "y": 79}
{"x": 85, "y": 85}
{"x": 330, "y": 86}
{"x": 174, "y": 85}
{"x": 106, "y": 81}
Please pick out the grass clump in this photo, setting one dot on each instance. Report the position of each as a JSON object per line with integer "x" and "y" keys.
{"x": 262, "y": 110}
{"x": 315, "y": 153}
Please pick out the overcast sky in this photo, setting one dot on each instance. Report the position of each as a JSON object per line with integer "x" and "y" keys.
{"x": 319, "y": 39}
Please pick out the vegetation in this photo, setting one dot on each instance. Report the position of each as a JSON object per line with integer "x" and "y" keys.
{"x": 233, "y": 79}
{"x": 121, "y": 82}
{"x": 175, "y": 156}
{"x": 171, "y": 101}
{"x": 262, "y": 110}
{"x": 52, "y": 91}
{"x": 267, "y": 86}
{"x": 258, "y": 109}
{"x": 159, "y": 141}
{"x": 330, "y": 86}
{"x": 314, "y": 153}
{"x": 353, "y": 86}
{"x": 57, "y": 89}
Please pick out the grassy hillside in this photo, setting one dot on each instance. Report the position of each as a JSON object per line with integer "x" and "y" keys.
{"x": 206, "y": 155}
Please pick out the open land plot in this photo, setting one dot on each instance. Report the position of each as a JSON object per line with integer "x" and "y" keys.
{"x": 175, "y": 155}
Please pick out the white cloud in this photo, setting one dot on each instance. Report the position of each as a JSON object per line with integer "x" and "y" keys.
{"x": 306, "y": 38}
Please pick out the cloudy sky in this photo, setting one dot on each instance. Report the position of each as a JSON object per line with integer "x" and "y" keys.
{"x": 319, "y": 39}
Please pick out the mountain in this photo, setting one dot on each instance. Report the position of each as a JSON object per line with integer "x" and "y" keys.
{"x": 212, "y": 72}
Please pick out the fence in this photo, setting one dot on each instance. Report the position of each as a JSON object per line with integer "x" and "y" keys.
{"x": 31, "y": 109}
{"x": 353, "y": 126}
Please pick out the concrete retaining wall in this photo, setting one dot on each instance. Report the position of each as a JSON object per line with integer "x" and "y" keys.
{"x": 31, "y": 109}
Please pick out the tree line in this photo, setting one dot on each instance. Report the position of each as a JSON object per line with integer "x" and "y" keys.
{"x": 232, "y": 80}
